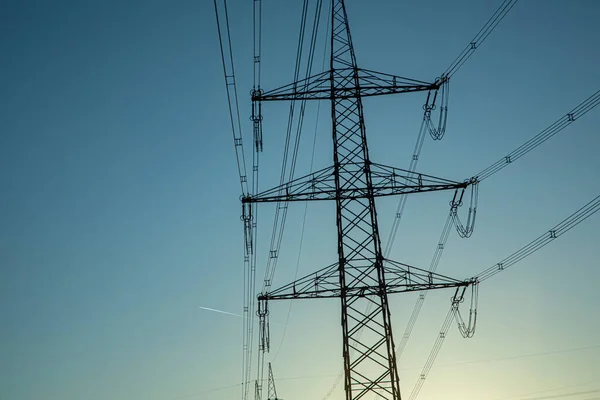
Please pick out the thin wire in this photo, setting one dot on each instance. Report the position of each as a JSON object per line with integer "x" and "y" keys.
{"x": 278, "y": 230}
{"x": 546, "y": 390}
{"x": 207, "y": 391}
{"x": 480, "y": 37}
{"x": 236, "y": 129}
{"x": 583, "y": 108}
{"x": 312, "y": 158}
{"x": 564, "y": 226}
{"x": 421, "y": 299}
{"x": 444, "y": 81}
{"x": 252, "y": 209}
{"x": 520, "y": 356}
{"x": 232, "y": 96}
{"x": 434, "y": 352}
{"x": 402, "y": 201}
{"x": 561, "y": 228}
{"x": 282, "y": 207}
{"x": 558, "y": 396}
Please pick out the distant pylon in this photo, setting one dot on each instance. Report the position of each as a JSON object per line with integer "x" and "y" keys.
{"x": 271, "y": 386}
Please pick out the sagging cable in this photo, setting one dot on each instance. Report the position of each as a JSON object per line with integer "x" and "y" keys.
{"x": 467, "y": 330}
{"x": 465, "y": 230}
{"x": 264, "y": 343}
{"x": 437, "y": 133}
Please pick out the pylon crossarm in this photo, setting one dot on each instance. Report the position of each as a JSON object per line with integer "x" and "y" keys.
{"x": 386, "y": 181}
{"x": 391, "y": 181}
{"x": 318, "y": 284}
{"x": 319, "y": 185}
{"x": 399, "y": 278}
{"x": 370, "y": 83}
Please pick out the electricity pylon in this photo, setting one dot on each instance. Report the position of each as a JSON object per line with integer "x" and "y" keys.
{"x": 271, "y": 391}
{"x": 361, "y": 277}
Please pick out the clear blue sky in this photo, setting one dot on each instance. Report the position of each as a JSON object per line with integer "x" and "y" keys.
{"x": 120, "y": 199}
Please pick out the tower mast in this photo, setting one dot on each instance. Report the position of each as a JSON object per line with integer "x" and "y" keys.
{"x": 369, "y": 356}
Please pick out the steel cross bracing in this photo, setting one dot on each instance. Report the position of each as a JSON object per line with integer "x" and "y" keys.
{"x": 385, "y": 181}
{"x": 359, "y": 278}
{"x": 370, "y": 83}
{"x": 272, "y": 391}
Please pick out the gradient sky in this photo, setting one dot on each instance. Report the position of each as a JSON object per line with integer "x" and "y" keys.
{"x": 120, "y": 199}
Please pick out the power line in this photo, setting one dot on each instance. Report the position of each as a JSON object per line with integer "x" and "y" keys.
{"x": 432, "y": 356}
{"x": 547, "y": 390}
{"x": 562, "y": 227}
{"x": 281, "y": 209}
{"x": 532, "y": 143}
{"x": 558, "y": 396}
{"x": 443, "y": 82}
{"x": 232, "y": 96}
{"x": 224, "y": 35}
{"x": 558, "y": 230}
{"x": 312, "y": 159}
{"x": 519, "y": 356}
{"x": 480, "y": 37}
{"x": 583, "y": 108}
{"x": 287, "y": 172}
{"x": 187, "y": 396}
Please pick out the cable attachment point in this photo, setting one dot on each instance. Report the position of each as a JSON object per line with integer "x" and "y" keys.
{"x": 257, "y": 119}
{"x": 465, "y": 230}
{"x": 246, "y": 218}
{"x": 263, "y": 324}
{"x": 467, "y": 330}
{"x": 443, "y": 89}
{"x": 256, "y": 94}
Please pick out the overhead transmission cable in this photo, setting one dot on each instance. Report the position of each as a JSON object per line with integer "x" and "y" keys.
{"x": 564, "y": 121}
{"x": 256, "y": 118}
{"x": 545, "y": 391}
{"x": 426, "y": 124}
{"x": 288, "y": 168}
{"x": 532, "y": 143}
{"x": 480, "y": 37}
{"x": 561, "y": 228}
{"x": 312, "y": 158}
{"x": 232, "y": 96}
{"x": 558, "y": 230}
{"x": 421, "y": 299}
{"x": 434, "y": 352}
{"x": 224, "y": 35}
{"x": 483, "y": 33}
{"x": 438, "y": 131}
{"x": 287, "y": 173}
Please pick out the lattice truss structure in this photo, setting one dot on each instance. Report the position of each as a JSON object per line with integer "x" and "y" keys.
{"x": 362, "y": 278}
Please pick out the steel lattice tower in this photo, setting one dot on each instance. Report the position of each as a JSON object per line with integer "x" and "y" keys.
{"x": 361, "y": 278}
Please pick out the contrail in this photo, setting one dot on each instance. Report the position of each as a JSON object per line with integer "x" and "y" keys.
{"x": 221, "y": 312}
{"x": 232, "y": 314}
